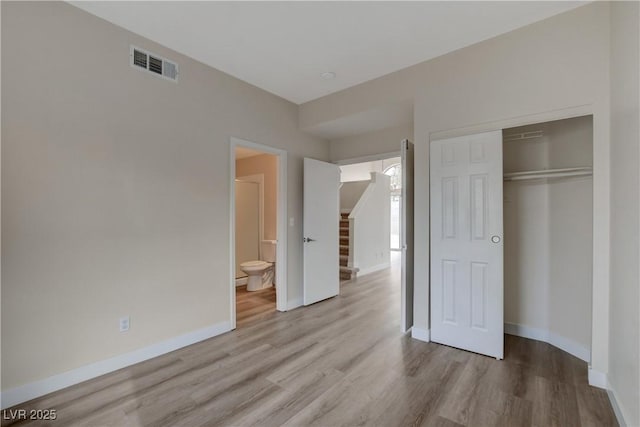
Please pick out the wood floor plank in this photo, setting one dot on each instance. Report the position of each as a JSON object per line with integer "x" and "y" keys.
{"x": 289, "y": 401}
{"x": 340, "y": 362}
{"x": 594, "y": 407}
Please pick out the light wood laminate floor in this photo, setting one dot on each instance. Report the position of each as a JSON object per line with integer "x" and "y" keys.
{"x": 342, "y": 362}
{"x": 254, "y": 306}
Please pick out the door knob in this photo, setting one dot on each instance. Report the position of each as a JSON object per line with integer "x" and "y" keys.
{"x": 495, "y": 239}
{"x": 308, "y": 239}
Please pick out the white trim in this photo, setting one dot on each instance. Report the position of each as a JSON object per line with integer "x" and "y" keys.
{"x": 597, "y": 378}
{"x": 547, "y": 116}
{"x": 282, "y": 223}
{"x": 555, "y": 340}
{"x": 371, "y": 158}
{"x": 374, "y": 268}
{"x": 600, "y": 380}
{"x": 293, "y": 304}
{"x": 39, "y": 388}
{"x": 614, "y": 404}
{"x": 241, "y": 281}
{"x": 570, "y": 346}
{"x": 421, "y": 334}
{"x": 232, "y": 232}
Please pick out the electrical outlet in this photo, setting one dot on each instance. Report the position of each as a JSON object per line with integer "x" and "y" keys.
{"x": 124, "y": 323}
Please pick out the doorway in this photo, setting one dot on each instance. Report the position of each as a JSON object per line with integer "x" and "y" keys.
{"x": 366, "y": 227}
{"x": 258, "y": 232}
{"x": 358, "y": 177}
{"x": 358, "y": 174}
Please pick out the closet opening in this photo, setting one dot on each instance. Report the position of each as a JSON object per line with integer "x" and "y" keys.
{"x": 548, "y": 233}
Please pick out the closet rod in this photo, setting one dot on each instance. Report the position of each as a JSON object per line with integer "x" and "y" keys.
{"x": 524, "y": 135}
{"x": 548, "y": 173}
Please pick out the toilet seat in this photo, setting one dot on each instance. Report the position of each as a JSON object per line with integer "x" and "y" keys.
{"x": 255, "y": 265}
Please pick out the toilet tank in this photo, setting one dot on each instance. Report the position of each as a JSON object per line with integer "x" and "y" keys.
{"x": 269, "y": 250}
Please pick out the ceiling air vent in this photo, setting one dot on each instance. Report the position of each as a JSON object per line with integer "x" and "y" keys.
{"x": 153, "y": 63}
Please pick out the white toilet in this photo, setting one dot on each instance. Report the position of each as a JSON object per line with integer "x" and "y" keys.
{"x": 261, "y": 273}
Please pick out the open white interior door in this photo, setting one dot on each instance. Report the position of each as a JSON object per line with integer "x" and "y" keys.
{"x": 320, "y": 227}
{"x": 466, "y": 243}
{"x": 406, "y": 236}
{"x": 247, "y": 224}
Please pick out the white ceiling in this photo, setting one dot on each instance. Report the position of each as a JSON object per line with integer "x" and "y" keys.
{"x": 283, "y": 47}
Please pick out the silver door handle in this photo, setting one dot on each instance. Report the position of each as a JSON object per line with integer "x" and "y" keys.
{"x": 495, "y": 239}
{"x": 308, "y": 239}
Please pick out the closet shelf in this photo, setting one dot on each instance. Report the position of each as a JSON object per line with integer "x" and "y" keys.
{"x": 548, "y": 173}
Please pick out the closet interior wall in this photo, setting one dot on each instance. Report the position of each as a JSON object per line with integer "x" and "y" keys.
{"x": 548, "y": 235}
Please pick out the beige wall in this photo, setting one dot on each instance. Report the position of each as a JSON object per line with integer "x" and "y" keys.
{"x": 350, "y": 193}
{"x": 371, "y": 217}
{"x": 362, "y": 171}
{"x": 267, "y": 165}
{"x": 371, "y": 143}
{"x": 115, "y": 190}
{"x": 359, "y": 171}
{"x": 552, "y": 69}
{"x": 624, "y": 370}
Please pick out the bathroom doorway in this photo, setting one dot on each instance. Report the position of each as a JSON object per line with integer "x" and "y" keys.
{"x": 258, "y": 259}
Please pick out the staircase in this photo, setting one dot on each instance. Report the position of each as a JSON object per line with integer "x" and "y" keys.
{"x": 346, "y": 272}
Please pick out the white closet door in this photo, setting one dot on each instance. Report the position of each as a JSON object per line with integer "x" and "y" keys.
{"x": 466, "y": 243}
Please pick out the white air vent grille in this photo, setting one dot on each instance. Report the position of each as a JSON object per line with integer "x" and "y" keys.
{"x": 141, "y": 59}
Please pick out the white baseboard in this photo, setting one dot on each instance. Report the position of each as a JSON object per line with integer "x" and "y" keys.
{"x": 614, "y": 404}
{"x": 555, "y": 340}
{"x": 57, "y": 382}
{"x": 597, "y": 378}
{"x": 421, "y": 334}
{"x": 373, "y": 269}
{"x": 241, "y": 281}
{"x": 294, "y": 304}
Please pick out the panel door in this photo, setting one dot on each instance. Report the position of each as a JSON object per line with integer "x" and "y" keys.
{"x": 466, "y": 243}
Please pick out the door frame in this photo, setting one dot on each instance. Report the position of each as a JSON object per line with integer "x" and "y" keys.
{"x": 407, "y": 235}
{"x": 281, "y": 224}
{"x": 601, "y": 180}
